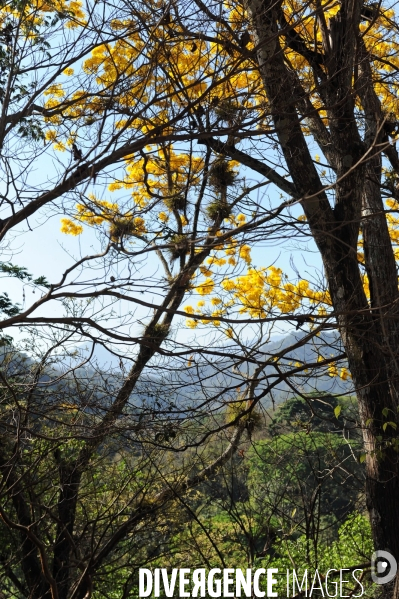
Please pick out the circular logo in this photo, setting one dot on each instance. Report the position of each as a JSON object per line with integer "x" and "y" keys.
{"x": 383, "y": 567}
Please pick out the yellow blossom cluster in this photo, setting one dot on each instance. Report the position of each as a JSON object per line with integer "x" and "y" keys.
{"x": 393, "y": 225}
{"x": 98, "y": 212}
{"x": 206, "y": 287}
{"x": 343, "y": 373}
{"x": 260, "y": 291}
{"x": 101, "y": 211}
{"x": 163, "y": 217}
{"x": 70, "y": 228}
{"x": 190, "y": 66}
{"x": 380, "y": 38}
{"x": 162, "y": 173}
{"x": 245, "y": 253}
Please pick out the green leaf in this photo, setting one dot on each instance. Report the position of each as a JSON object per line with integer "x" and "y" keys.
{"x": 5, "y": 340}
{"x": 362, "y": 458}
{"x": 385, "y": 412}
{"x": 20, "y": 272}
{"x": 337, "y": 411}
{"x": 7, "y": 306}
{"x": 392, "y": 424}
{"x": 41, "y": 281}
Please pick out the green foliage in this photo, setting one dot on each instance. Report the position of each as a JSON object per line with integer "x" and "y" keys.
{"x": 300, "y": 473}
{"x": 219, "y": 208}
{"x": 6, "y": 341}
{"x": 176, "y": 202}
{"x": 353, "y": 546}
{"x": 21, "y": 273}
{"x": 30, "y": 129}
{"x": 221, "y": 174}
{"x": 7, "y": 307}
{"x": 178, "y": 247}
{"x": 316, "y": 414}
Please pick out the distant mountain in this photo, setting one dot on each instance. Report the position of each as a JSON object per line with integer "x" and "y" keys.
{"x": 183, "y": 389}
{"x": 175, "y": 390}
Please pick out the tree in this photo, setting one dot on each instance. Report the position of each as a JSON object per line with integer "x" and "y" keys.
{"x": 286, "y": 502}
{"x": 344, "y": 76}
{"x": 85, "y": 457}
{"x": 119, "y": 94}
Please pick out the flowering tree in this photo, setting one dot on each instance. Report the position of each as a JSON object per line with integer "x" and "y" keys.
{"x": 166, "y": 126}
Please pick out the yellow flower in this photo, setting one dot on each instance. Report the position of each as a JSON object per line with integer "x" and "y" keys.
{"x": 332, "y": 369}
{"x": 215, "y": 301}
{"x": 206, "y": 288}
{"x": 60, "y": 146}
{"x": 228, "y": 285}
{"x": 214, "y": 261}
{"x": 163, "y": 217}
{"x": 345, "y": 374}
{"x": 55, "y": 90}
{"x": 139, "y": 224}
{"x": 245, "y": 253}
{"x": 70, "y": 228}
{"x": 51, "y": 135}
{"x": 205, "y": 271}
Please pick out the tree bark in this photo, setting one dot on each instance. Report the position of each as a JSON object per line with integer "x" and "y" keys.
{"x": 368, "y": 329}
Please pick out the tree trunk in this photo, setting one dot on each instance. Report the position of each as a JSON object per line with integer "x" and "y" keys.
{"x": 368, "y": 329}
